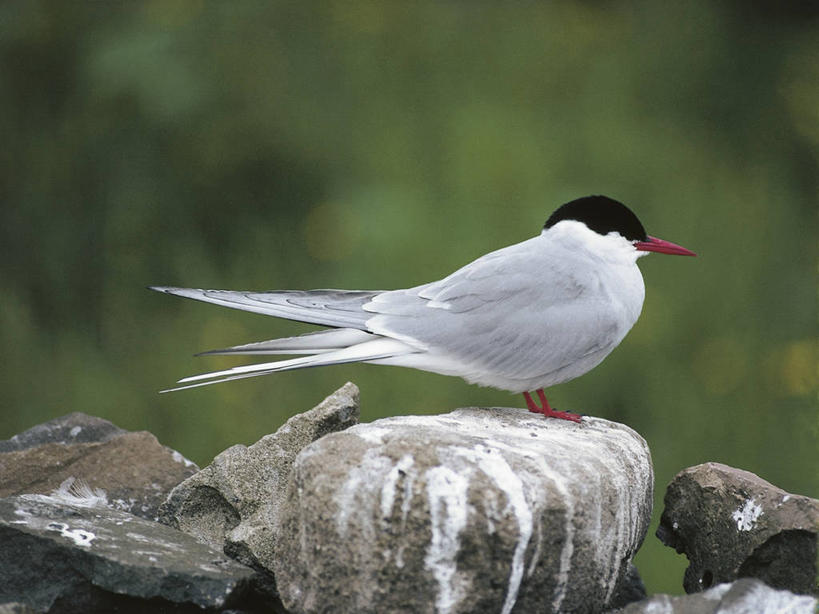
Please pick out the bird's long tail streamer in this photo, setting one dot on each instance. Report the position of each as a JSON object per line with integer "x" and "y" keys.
{"x": 362, "y": 352}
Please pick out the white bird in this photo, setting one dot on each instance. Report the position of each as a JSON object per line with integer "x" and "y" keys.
{"x": 521, "y": 318}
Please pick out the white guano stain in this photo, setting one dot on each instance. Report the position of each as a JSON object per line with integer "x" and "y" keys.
{"x": 406, "y": 469}
{"x": 493, "y": 464}
{"x": 358, "y": 487}
{"x": 617, "y": 456}
{"x": 492, "y": 511}
{"x": 177, "y": 457}
{"x": 373, "y": 434}
{"x": 747, "y": 515}
{"x": 391, "y": 481}
{"x": 568, "y": 545}
{"x": 406, "y": 503}
{"x": 80, "y": 537}
{"x": 627, "y": 519}
{"x": 447, "y": 493}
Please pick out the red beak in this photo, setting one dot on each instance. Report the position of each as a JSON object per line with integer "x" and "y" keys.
{"x": 653, "y": 244}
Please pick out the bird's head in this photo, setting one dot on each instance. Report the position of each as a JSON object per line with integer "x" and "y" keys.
{"x": 610, "y": 218}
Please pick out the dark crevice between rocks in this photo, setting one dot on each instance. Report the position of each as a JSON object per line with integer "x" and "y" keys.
{"x": 630, "y": 587}
{"x": 707, "y": 579}
{"x": 90, "y": 599}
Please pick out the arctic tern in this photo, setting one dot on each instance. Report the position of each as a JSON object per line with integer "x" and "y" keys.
{"x": 521, "y": 318}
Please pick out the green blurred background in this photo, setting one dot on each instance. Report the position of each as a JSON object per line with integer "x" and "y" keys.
{"x": 258, "y": 145}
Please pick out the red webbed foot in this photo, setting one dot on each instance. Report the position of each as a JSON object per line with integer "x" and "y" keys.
{"x": 545, "y": 409}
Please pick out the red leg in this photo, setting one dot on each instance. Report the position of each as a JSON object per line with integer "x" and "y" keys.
{"x": 546, "y": 410}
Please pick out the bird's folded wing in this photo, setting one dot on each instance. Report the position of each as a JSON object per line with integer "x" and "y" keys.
{"x": 522, "y": 315}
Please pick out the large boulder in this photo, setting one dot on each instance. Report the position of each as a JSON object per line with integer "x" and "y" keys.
{"x": 731, "y": 524}
{"x": 69, "y": 552}
{"x": 478, "y": 510}
{"x": 233, "y": 503}
{"x": 133, "y": 468}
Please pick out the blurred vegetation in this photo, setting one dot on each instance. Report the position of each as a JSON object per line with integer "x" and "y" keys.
{"x": 258, "y": 145}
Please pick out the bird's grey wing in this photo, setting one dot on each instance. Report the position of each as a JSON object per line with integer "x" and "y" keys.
{"x": 519, "y": 312}
{"x": 336, "y": 308}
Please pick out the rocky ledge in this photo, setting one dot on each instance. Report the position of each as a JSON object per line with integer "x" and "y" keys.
{"x": 476, "y": 510}
{"x": 70, "y": 552}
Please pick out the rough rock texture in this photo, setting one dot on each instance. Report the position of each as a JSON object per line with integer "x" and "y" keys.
{"x": 133, "y": 468}
{"x": 70, "y": 553}
{"x": 629, "y": 589}
{"x": 233, "y": 504}
{"x": 731, "y": 524}
{"x": 478, "y": 510}
{"x": 746, "y": 596}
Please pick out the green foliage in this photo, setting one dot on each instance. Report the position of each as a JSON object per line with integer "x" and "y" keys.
{"x": 379, "y": 144}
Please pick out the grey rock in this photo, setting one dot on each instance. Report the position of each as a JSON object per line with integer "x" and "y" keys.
{"x": 69, "y": 552}
{"x": 233, "y": 504}
{"x": 133, "y": 468}
{"x": 16, "y": 608}
{"x": 745, "y": 596}
{"x": 478, "y": 510}
{"x": 629, "y": 589}
{"x": 76, "y": 427}
{"x": 731, "y": 523}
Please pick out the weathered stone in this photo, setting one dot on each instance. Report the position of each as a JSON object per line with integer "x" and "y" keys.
{"x": 731, "y": 523}
{"x": 72, "y": 428}
{"x": 71, "y": 553}
{"x": 478, "y": 510}
{"x": 233, "y": 504}
{"x": 133, "y": 468}
{"x": 629, "y": 589}
{"x": 745, "y": 596}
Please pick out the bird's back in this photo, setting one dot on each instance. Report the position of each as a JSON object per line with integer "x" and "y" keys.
{"x": 523, "y": 317}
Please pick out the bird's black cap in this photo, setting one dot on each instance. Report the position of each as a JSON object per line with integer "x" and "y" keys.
{"x": 602, "y": 215}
